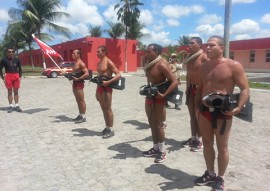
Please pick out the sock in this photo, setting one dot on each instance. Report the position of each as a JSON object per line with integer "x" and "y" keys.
{"x": 155, "y": 146}
{"x": 109, "y": 128}
{"x": 193, "y": 138}
{"x": 199, "y": 139}
{"x": 83, "y": 115}
{"x": 212, "y": 173}
{"x": 16, "y": 104}
{"x": 161, "y": 146}
{"x": 10, "y": 105}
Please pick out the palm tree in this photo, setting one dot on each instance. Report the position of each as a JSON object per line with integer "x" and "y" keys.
{"x": 183, "y": 40}
{"x": 42, "y": 13}
{"x": 134, "y": 31}
{"x": 95, "y": 31}
{"x": 172, "y": 49}
{"x": 128, "y": 13}
{"x": 116, "y": 29}
{"x": 39, "y": 14}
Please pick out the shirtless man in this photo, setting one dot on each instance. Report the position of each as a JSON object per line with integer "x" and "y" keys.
{"x": 106, "y": 67}
{"x": 193, "y": 63}
{"x": 221, "y": 75}
{"x": 157, "y": 71}
{"x": 80, "y": 73}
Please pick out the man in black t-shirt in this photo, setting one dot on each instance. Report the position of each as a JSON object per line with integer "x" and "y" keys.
{"x": 12, "y": 78}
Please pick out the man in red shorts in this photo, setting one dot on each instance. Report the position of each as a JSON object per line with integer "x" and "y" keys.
{"x": 13, "y": 74}
{"x": 106, "y": 68}
{"x": 218, "y": 75}
{"x": 79, "y": 74}
{"x": 157, "y": 71}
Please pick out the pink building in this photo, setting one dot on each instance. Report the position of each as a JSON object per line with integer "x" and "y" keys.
{"x": 88, "y": 47}
{"x": 253, "y": 54}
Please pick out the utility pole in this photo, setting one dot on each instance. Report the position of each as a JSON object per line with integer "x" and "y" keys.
{"x": 228, "y": 4}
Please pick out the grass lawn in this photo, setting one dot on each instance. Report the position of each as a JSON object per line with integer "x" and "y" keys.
{"x": 29, "y": 71}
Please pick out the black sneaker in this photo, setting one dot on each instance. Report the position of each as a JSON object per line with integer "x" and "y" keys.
{"x": 10, "y": 109}
{"x": 218, "y": 184}
{"x": 187, "y": 143}
{"x": 108, "y": 134}
{"x": 196, "y": 146}
{"x": 80, "y": 120}
{"x": 77, "y": 118}
{"x": 205, "y": 179}
{"x": 18, "y": 109}
{"x": 150, "y": 153}
{"x": 102, "y": 132}
{"x": 177, "y": 107}
{"x": 160, "y": 157}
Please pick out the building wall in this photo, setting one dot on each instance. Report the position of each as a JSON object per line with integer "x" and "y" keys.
{"x": 88, "y": 47}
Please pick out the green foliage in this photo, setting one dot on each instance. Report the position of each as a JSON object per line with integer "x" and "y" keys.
{"x": 116, "y": 29}
{"x": 259, "y": 85}
{"x": 183, "y": 40}
{"x": 95, "y": 31}
{"x": 168, "y": 50}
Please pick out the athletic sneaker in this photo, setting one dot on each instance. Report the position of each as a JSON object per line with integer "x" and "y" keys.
{"x": 18, "y": 109}
{"x": 102, "y": 132}
{"x": 218, "y": 184}
{"x": 80, "y": 120}
{"x": 151, "y": 152}
{"x": 187, "y": 143}
{"x": 205, "y": 179}
{"x": 108, "y": 134}
{"x": 77, "y": 118}
{"x": 10, "y": 109}
{"x": 196, "y": 146}
{"x": 160, "y": 157}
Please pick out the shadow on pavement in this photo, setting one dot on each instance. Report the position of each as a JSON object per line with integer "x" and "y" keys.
{"x": 177, "y": 178}
{"x": 83, "y": 132}
{"x": 138, "y": 124}
{"x": 173, "y": 145}
{"x": 126, "y": 150}
{"x": 36, "y": 110}
{"x": 62, "y": 118}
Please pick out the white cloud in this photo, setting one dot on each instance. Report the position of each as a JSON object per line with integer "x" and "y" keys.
{"x": 173, "y": 22}
{"x": 222, "y": 2}
{"x": 210, "y": 19}
{"x": 99, "y": 2}
{"x": 110, "y": 14}
{"x": 208, "y": 30}
{"x": 146, "y": 17}
{"x": 245, "y": 26}
{"x": 263, "y": 33}
{"x": 266, "y": 18}
{"x": 176, "y": 11}
{"x": 242, "y": 37}
{"x": 156, "y": 37}
{"x": 4, "y": 15}
{"x": 82, "y": 12}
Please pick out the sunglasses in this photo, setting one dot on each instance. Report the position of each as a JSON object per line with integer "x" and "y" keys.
{"x": 10, "y": 51}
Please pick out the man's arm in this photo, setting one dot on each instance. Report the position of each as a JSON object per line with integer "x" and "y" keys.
{"x": 241, "y": 81}
{"x": 113, "y": 68}
{"x": 1, "y": 69}
{"x": 166, "y": 71}
{"x": 19, "y": 64}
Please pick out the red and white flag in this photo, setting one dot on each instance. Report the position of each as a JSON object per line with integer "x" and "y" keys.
{"x": 46, "y": 49}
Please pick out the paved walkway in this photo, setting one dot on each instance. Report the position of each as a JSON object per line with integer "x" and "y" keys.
{"x": 43, "y": 150}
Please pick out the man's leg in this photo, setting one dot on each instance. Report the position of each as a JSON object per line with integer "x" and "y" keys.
{"x": 208, "y": 151}
{"x": 159, "y": 128}
{"x": 149, "y": 110}
{"x": 10, "y": 96}
{"x": 16, "y": 99}
{"x": 79, "y": 96}
{"x": 10, "y": 100}
{"x": 222, "y": 146}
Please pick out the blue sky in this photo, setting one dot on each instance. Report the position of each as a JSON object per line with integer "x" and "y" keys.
{"x": 165, "y": 20}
